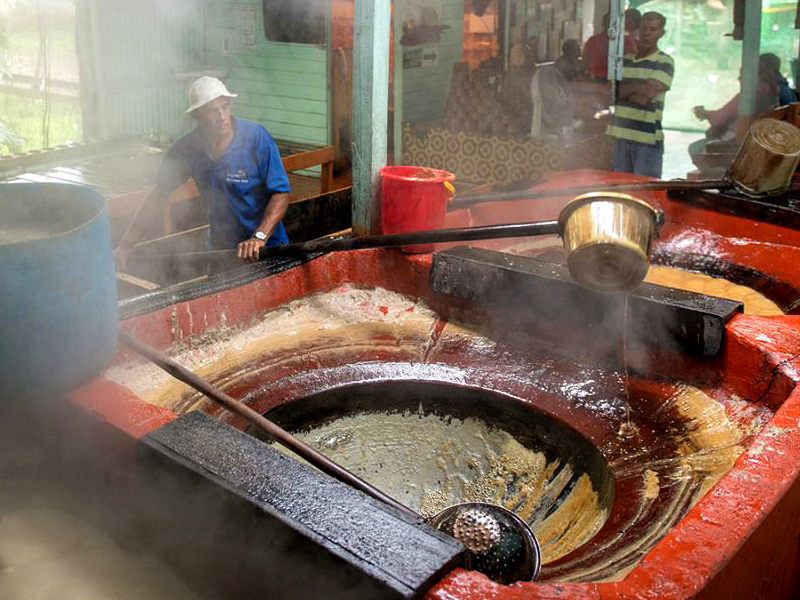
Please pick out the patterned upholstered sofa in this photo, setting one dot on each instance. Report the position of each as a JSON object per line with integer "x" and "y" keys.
{"x": 500, "y": 159}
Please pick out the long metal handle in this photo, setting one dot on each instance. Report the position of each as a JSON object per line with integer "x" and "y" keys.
{"x": 285, "y": 438}
{"x": 436, "y": 236}
{"x": 700, "y": 184}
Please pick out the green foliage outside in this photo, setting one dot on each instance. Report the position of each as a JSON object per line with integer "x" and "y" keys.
{"x": 24, "y": 26}
{"x": 23, "y": 116}
{"x": 706, "y": 60}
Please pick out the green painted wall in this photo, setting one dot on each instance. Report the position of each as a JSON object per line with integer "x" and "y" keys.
{"x": 134, "y": 52}
{"x": 129, "y": 54}
{"x": 283, "y": 86}
{"x": 425, "y": 89}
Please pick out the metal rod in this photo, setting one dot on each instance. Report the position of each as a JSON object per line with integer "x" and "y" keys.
{"x": 436, "y": 236}
{"x": 283, "y": 437}
{"x": 701, "y": 184}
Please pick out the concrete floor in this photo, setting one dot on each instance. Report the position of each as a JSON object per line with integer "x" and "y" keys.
{"x": 676, "y": 158}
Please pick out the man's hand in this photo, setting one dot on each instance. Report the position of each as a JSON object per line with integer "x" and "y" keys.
{"x": 248, "y": 249}
{"x": 700, "y": 112}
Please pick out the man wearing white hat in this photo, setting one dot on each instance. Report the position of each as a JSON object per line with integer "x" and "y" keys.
{"x": 237, "y": 168}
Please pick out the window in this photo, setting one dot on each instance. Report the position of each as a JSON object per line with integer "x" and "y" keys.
{"x": 293, "y": 21}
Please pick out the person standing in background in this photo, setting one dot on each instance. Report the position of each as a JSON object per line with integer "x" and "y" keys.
{"x": 595, "y": 51}
{"x": 636, "y": 122}
{"x": 633, "y": 18}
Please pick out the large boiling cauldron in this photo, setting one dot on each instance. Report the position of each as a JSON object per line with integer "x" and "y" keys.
{"x": 58, "y": 297}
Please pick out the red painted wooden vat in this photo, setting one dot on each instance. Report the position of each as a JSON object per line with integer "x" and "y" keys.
{"x": 739, "y": 541}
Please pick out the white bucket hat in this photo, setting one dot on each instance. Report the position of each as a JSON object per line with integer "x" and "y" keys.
{"x": 204, "y": 90}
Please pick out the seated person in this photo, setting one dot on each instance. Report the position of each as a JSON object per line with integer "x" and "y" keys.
{"x": 723, "y": 120}
{"x": 553, "y": 99}
{"x": 595, "y": 50}
{"x": 786, "y": 95}
{"x": 569, "y": 63}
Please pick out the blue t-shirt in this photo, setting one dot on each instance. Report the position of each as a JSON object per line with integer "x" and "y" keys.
{"x": 786, "y": 94}
{"x": 237, "y": 185}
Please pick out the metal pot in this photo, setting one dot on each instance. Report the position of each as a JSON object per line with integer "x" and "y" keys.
{"x": 58, "y": 305}
{"x": 607, "y": 238}
{"x": 766, "y": 160}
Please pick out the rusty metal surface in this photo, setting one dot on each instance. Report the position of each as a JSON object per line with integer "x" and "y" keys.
{"x": 535, "y": 296}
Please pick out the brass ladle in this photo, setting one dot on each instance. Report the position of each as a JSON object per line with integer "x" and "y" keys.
{"x": 606, "y": 235}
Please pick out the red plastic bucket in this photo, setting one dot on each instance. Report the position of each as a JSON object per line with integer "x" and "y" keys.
{"x": 414, "y": 199}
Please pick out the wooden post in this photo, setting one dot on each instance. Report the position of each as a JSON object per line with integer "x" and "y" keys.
{"x": 616, "y": 44}
{"x": 398, "y": 82}
{"x": 506, "y": 32}
{"x": 370, "y": 108}
{"x": 99, "y": 74}
{"x": 750, "y": 50}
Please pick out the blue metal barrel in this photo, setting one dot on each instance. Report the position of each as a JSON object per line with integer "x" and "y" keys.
{"x": 58, "y": 295}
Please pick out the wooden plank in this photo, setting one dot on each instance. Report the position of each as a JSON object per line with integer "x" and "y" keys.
{"x": 288, "y": 50}
{"x": 174, "y": 243}
{"x": 304, "y": 160}
{"x": 285, "y": 116}
{"x": 271, "y": 101}
{"x": 245, "y": 88}
{"x": 344, "y": 544}
{"x": 315, "y": 65}
{"x": 287, "y": 147}
{"x": 148, "y": 286}
{"x": 259, "y": 78}
{"x": 298, "y": 132}
{"x": 268, "y": 49}
{"x": 326, "y": 176}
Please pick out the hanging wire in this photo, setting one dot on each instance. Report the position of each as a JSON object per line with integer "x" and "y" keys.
{"x": 43, "y": 26}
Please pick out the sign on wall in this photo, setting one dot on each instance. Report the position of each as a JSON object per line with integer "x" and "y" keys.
{"x": 422, "y": 28}
{"x": 245, "y": 26}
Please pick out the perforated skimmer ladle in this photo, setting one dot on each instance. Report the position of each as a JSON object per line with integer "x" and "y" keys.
{"x": 497, "y": 542}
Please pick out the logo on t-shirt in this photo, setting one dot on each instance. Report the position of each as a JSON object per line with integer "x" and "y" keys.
{"x": 239, "y": 177}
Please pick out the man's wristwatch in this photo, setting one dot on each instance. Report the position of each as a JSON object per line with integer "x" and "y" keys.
{"x": 260, "y": 235}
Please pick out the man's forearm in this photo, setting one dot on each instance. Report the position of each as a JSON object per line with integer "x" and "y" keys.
{"x": 632, "y": 88}
{"x": 640, "y": 99}
{"x": 640, "y": 92}
{"x": 625, "y": 89}
{"x": 273, "y": 213}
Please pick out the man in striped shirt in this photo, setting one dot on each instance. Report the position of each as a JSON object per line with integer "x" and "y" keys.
{"x": 636, "y": 122}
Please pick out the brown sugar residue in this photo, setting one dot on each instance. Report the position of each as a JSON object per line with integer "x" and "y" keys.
{"x": 432, "y": 462}
{"x": 347, "y": 316}
{"x": 754, "y": 302}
